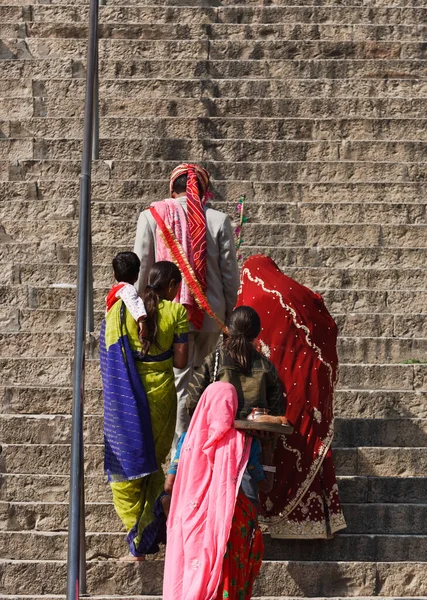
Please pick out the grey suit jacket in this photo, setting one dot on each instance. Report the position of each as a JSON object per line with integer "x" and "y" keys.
{"x": 222, "y": 268}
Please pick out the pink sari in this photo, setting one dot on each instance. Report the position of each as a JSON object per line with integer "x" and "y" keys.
{"x": 213, "y": 459}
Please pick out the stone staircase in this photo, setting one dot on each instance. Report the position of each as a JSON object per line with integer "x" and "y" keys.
{"x": 318, "y": 114}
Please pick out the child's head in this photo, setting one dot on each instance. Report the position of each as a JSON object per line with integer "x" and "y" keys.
{"x": 164, "y": 279}
{"x": 126, "y": 267}
{"x": 244, "y": 321}
{"x": 244, "y": 326}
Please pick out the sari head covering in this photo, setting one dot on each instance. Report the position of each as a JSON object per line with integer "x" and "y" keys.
{"x": 299, "y": 336}
{"x": 211, "y": 466}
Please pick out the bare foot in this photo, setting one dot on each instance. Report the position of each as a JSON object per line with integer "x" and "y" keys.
{"x": 132, "y": 558}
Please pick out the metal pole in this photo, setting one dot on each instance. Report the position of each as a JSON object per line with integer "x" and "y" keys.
{"x": 95, "y": 147}
{"x": 75, "y": 513}
{"x": 82, "y": 550}
{"x": 90, "y": 319}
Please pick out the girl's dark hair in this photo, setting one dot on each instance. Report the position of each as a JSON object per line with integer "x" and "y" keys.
{"x": 159, "y": 278}
{"x": 244, "y": 326}
{"x": 126, "y": 267}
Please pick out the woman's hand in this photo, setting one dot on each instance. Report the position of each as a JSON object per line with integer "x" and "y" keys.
{"x": 169, "y": 481}
{"x": 180, "y": 355}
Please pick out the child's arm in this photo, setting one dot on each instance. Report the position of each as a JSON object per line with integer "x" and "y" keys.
{"x": 133, "y": 302}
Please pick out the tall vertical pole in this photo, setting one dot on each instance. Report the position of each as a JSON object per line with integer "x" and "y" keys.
{"x": 75, "y": 578}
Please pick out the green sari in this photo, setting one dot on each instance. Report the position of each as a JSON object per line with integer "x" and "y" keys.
{"x": 134, "y": 500}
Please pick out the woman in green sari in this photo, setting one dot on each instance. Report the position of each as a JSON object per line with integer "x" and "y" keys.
{"x": 140, "y": 403}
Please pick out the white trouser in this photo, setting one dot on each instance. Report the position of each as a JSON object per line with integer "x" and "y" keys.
{"x": 200, "y": 344}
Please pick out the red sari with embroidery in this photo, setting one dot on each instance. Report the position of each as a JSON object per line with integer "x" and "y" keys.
{"x": 299, "y": 336}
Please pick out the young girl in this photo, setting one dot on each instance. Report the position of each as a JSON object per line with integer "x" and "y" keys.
{"x": 215, "y": 546}
{"x": 237, "y": 361}
{"x": 140, "y": 401}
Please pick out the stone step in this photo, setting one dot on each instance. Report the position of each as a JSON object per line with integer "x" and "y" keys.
{"x": 295, "y": 129}
{"x": 281, "y": 235}
{"x": 402, "y": 519}
{"x": 349, "y": 547}
{"x": 53, "y": 459}
{"x": 362, "y": 489}
{"x": 243, "y": 14}
{"x": 214, "y": 149}
{"x": 308, "y": 213}
{"x": 312, "y": 277}
{"x": 290, "y": 578}
{"x": 350, "y": 404}
{"x": 217, "y": 69}
{"x": 229, "y": 88}
{"x": 46, "y": 253}
{"x": 57, "y": 372}
{"x": 338, "y": 301}
{"x": 288, "y": 172}
{"x": 63, "y": 107}
{"x": 14, "y": 320}
{"x": 143, "y": 191}
{"x": 358, "y": 32}
{"x": 349, "y": 433}
{"x": 31, "y": 545}
{"x": 350, "y": 349}
{"x": 204, "y": 48}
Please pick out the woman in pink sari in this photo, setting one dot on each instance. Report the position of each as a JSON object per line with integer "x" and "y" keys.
{"x": 214, "y": 544}
{"x": 299, "y": 337}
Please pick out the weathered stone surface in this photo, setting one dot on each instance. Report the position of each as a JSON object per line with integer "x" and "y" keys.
{"x": 237, "y": 14}
{"x": 47, "y": 429}
{"x": 392, "y": 462}
{"x": 49, "y": 488}
{"x": 54, "y": 517}
{"x": 223, "y": 31}
{"x": 387, "y": 548}
{"x": 386, "y": 518}
{"x": 100, "y": 517}
{"x": 378, "y": 404}
{"x": 382, "y": 350}
{"x": 352, "y": 433}
{"x": 54, "y": 459}
{"x": 145, "y": 190}
{"x": 111, "y": 577}
{"x": 242, "y": 128}
{"x": 317, "y": 113}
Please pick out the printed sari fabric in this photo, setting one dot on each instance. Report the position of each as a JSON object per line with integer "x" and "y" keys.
{"x": 243, "y": 558}
{"x": 204, "y": 499}
{"x": 140, "y": 413}
{"x": 299, "y": 336}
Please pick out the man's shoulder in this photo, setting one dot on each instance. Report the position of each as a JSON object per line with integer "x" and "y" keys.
{"x": 215, "y": 217}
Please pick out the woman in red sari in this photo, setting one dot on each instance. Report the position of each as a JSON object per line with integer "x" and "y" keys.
{"x": 299, "y": 336}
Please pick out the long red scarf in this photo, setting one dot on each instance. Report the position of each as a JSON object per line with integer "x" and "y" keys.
{"x": 180, "y": 259}
{"x": 299, "y": 336}
{"x": 196, "y": 176}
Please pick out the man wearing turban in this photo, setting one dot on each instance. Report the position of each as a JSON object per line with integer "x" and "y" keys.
{"x": 200, "y": 240}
